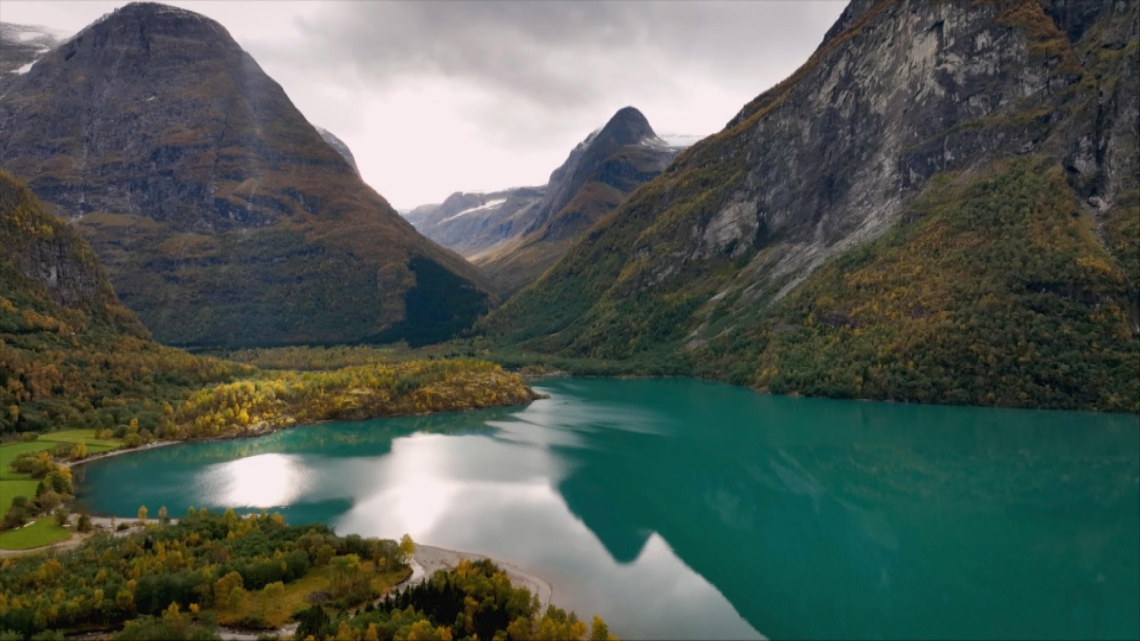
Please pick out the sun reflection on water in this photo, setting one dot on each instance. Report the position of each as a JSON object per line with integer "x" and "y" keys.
{"x": 263, "y": 481}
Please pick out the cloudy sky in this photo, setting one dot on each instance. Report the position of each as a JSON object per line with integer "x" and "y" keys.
{"x": 442, "y": 96}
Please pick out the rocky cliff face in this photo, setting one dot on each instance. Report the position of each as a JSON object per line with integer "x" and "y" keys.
{"x": 588, "y": 162}
{"x": 46, "y": 265}
{"x": 854, "y": 155}
{"x": 340, "y": 147}
{"x": 221, "y": 215}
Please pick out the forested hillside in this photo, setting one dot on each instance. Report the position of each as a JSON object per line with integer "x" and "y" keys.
{"x": 71, "y": 354}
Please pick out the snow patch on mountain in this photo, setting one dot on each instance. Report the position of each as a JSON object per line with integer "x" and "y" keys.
{"x": 490, "y": 204}
{"x": 681, "y": 140}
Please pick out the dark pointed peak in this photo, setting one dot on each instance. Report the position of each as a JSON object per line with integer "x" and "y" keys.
{"x": 628, "y": 126}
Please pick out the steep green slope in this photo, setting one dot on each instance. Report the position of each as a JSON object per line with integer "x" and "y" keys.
{"x": 221, "y": 215}
{"x": 70, "y": 354}
{"x": 822, "y": 192}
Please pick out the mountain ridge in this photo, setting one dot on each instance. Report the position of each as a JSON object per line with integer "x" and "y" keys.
{"x": 513, "y": 235}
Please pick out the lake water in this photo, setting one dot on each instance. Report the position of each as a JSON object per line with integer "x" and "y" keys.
{"x": 686, "y": 509}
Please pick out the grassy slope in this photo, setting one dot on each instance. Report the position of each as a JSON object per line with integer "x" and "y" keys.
{"x": 278, "y": 612}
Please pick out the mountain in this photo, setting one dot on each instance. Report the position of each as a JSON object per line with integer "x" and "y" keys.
{"x": 941, "y": 205}
{"x": 475, "y": 223}
{"x": 71, "y": 352}
{"x": 222, "y": 216}
{"x": 340, "y": 147}
{"x": 514, "y": 235}
{"x": 597, "y": 176}
{"x": 20, "y": 46}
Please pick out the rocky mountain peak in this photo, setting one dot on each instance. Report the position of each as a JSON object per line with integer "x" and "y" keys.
{"x": 340, "y": 146}
{"x": 143, "y": 22}
{"x": 628, "y": 126}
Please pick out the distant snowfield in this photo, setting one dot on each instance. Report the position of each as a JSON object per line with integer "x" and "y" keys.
{"x": 25, "y": 69}
{"x": 487, "y": 205}
{"x": 682, "y": 140}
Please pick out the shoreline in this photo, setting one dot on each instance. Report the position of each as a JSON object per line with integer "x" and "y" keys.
{"x": 119, "y": 452}
{"x": 431, "y": 558}
{"x": 534, "y": 396}
{"x": 426, "y": 560}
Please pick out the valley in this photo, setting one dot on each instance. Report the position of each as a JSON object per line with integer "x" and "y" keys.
{"x": 862, "y": 363}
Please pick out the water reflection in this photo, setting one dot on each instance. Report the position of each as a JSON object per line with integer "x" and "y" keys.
{"x": 261, "y": 481}
{"x": 680, "y": 509}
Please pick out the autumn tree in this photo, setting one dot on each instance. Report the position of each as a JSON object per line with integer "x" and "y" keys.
{"x": 407, "y": 547}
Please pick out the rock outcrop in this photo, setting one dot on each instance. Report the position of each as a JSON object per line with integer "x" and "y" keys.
{"x": 340, "y": 147}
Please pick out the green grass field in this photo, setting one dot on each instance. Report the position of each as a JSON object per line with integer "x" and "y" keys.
{"x": 10, "y": 488}
{"x": 13, "y": 484}
{"x": 43, "y": 532}
{"x": 82, "y": 436}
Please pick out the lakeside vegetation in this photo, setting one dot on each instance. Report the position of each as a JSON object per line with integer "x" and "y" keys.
{"x": 36, "y": 484}
{"x": 206, "y": 569}
{"x": 255, "y": 572}
{"x": 474, "y": 600}
{"x": 256, "y": 405}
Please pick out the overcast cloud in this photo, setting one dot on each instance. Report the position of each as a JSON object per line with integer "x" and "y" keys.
{"x": 436, "y": 97}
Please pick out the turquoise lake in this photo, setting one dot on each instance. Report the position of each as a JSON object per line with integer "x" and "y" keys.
{"x": 692, "y": 510}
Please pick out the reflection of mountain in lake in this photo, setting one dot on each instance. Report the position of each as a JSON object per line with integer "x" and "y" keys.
{"x": 912, "y": 523}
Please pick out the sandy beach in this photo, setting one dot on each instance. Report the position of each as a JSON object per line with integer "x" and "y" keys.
{"x": 430, "y": 558}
